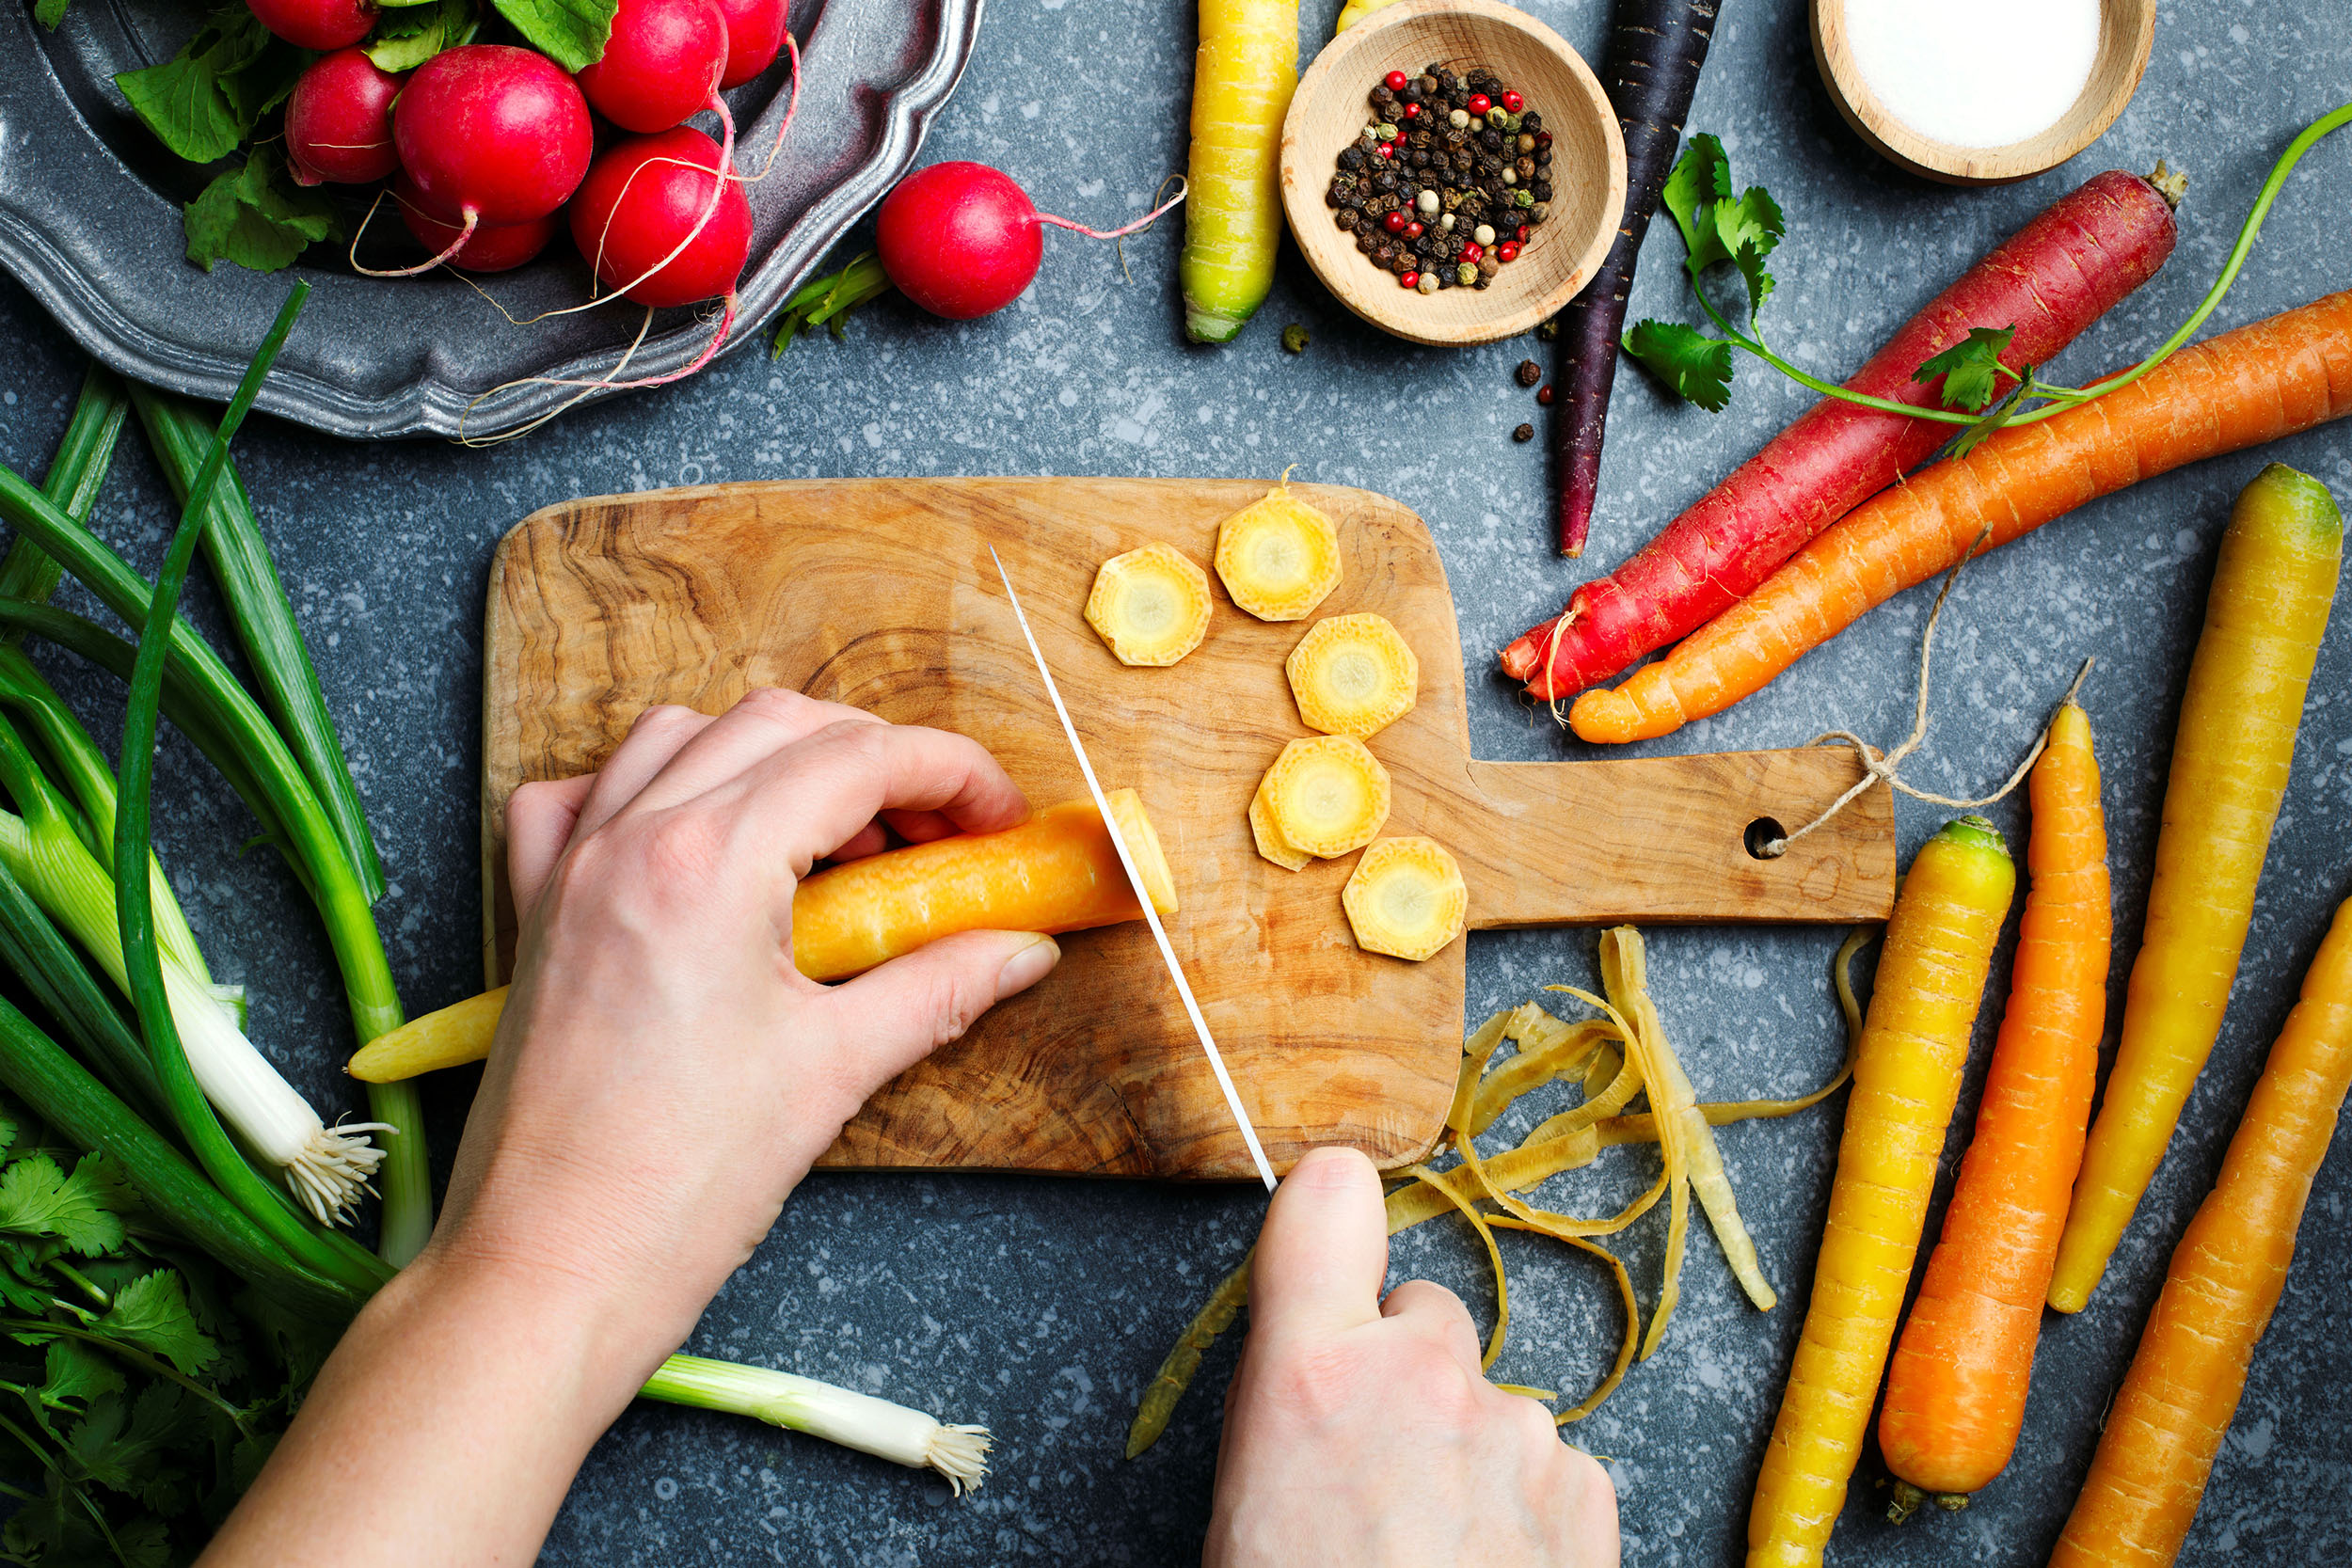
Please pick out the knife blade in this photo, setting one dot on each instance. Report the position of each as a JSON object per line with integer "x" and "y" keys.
{"x": 1135, "y": 881}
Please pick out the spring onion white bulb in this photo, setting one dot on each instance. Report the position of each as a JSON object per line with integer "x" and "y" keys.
{"x": 326, "y": 1168}
{"x": 841, "y": 1416}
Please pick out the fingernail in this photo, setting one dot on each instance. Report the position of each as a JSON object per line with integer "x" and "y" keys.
{"x": 1028, "y": 966}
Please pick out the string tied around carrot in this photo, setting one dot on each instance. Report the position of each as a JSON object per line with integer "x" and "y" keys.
{"x": 1883, "y": 767}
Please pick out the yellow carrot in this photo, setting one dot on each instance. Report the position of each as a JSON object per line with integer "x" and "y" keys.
{"x": 1056, "y": 872}
{"x": 2268, "y": 607}
{"x": 1906, "y": 1078}
{"x": 2157, "y": 1445}
{"x": 1242, "y": 80}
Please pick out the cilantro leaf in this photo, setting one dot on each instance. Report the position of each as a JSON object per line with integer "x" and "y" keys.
{"x": 38, "y": 1200}
{"x": 1701, "y": 178}
{"x": 2000, "y": 415}
{"x": 186, "y": 101}
{"x": 1751, "y": 228}
{"x": 143, "y": 1543}
{"x": 74, "y": 1371}
{"x": 1691, "y": 364}
{"x": 246, "y": 216}
{"x": 1971, "y": 368}
{"x": 569, "y": 32}
{"x": 151, "y": 1312}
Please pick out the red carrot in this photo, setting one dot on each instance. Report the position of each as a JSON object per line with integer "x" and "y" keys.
{"x": 1655, "y": 50}
{"x": 2052, "y": 279}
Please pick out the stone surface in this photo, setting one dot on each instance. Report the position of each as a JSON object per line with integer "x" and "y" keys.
{"x": 1041, "y": 1306}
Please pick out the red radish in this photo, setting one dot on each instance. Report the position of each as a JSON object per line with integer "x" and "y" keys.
{"x": 339, "y": 121}
{"x": 2052, "y": 279}
{"x": 661, "y": 65}
{"x": 755, "y": 33}
{"x": 492, "y": 135}
{"x": 315, "y": 24}
{"x": 637, "y": 214}
{"x": 962, "y": 240}
{"x": 491, "y": 247}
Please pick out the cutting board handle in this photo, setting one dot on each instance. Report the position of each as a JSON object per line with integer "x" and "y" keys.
{"x": 1655, "y": 839}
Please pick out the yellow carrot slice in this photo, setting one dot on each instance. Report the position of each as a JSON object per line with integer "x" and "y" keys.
{"x": 1328, "y": 795}
{"x": 1353, "y": 675}
{"x": 1406, "y": 898}
{"x": 1150, "y": 606}
{"x": 1278, "y": 557}
{"x": 1931, "y": 982}
{"x": 2268, "y": 606}
{"x": 1271, "y": 844}
{"x": 1056, "y": 872}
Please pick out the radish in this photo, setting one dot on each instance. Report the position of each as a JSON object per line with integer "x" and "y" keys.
{"x": 339, "y": 121}
{"x": 492, "y": 135}
{"x": 491, "y": 247}
{"x": 315, "y": 24}
{"x": 962, "y": 240}
{"x": 755, "y": 33}
{"x": 662, "y": 65}
{"x": 645, "y": 220}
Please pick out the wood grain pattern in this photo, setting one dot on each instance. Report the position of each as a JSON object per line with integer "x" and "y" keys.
{"x": 2127, "y": 30}
{"x": 1329, "y": 110}
{"x": 881, "y": 593}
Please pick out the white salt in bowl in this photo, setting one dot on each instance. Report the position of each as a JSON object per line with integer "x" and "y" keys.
{"x": 2127, "y": 31}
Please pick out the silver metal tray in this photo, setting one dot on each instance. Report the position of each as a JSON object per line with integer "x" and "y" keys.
{"x": 90, "y": 222}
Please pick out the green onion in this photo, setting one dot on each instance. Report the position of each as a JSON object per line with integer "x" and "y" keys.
{"x": 855, "y": 1420}
{"x": 52, "y": 969}
{"x": 265, "y": 621}
{"x": 75, "y": 478}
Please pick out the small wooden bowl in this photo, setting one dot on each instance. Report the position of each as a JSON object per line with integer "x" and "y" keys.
{"x": 2126, "y": 30}
{"x": 1330, "y": 110}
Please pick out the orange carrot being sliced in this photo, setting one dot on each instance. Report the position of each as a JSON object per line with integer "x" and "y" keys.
{"x": 2157, "y": 1445}
{"x": 2257, "y": 384}
{"x": 1956, "y": 1389}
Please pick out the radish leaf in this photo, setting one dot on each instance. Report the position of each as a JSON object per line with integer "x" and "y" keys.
{"x": 569, "y": 32}
{"x": 190, "y": 100}
{"x": 247, "y": 217}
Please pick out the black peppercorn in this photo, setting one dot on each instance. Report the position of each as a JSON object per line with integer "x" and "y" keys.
{"x": 1528, "y": 373}
{"x": 1524, "y": 433}
{"x": 1412, "y": 93}
{"x": 1351, "y": 158}
{"x": 1385, "y": 180}
{"x": 1531, "y": 121}
{"x": 1524, "y": 169}
{"x": 1347, "y": 219}
{"x": 1541, "y": 190}
{"x": 1490, "y": 140}
{"x": 1543, "y": 157}
{"x": 1364, "y": 239}
{"x": 1418, "y": 157}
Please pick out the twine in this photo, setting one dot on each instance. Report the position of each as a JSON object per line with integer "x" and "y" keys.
{"x": 1877, "y": 766}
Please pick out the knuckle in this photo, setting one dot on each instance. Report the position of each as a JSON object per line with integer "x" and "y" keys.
{"x": 1314, "y": 1383}
{"x": 663, "y": 718}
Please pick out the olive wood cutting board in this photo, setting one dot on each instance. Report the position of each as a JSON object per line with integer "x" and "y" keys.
{"x": 881, "y": 593}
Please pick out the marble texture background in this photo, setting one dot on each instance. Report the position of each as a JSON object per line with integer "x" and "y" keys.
{"x": 1041, "y": 1307}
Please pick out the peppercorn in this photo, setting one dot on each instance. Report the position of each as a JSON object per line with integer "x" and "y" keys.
{"x": 1524, "y": 433}
{"x": 1543, "y": 393}
{"x": 1513, "y": 101}
{"x": 1295, "y": 339}
{"x": 1534, "y": 121}
{"x": 1545, "y": 331}
{"x": 1413, "y": 231}
{"x": 1408, "y": 279}
{"x": 1508, "y": 251}
{"x": 1346, "y": 219}
{"x": 1411, "y": 91}
{"x": 1489, "y": 265}
{"x": 1528, "y": 373}
{"x": 1384, "y": 181}
{"x": 1523, "y": 142}
{"x": 1364, "y": 241}
{"x": 1542, "y": 190}
{"x": 1466, "y": 273}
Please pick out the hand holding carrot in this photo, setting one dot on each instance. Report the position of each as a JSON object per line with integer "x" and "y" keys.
{"x": 1361, "y": 1431}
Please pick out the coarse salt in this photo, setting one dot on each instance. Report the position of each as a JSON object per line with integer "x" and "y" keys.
{"x": 1983, "y": 74}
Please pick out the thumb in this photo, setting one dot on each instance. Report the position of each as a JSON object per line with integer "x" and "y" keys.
{"x": 1324, "y": 1248}
{"x": 899, "y": 1013}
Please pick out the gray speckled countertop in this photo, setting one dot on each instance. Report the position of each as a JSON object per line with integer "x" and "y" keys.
{"x": 1040, "y": 1307}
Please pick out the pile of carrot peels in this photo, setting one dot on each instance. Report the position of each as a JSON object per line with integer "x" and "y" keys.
{"x": 1611, "y": 1058}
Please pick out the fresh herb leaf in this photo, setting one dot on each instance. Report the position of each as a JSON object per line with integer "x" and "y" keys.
{"x": 2000, "y": 415}
{"x": 1751, "y": 228}
{"x": 1701, "y": 178}
{"x": 251, "y": 218}
{"x": 1971, "y": 369}
{"x": 151, "y": 1312}
{"x": 38, "y": 1200}
{"x": 189, "y": 100}
{"x": 1693, "y": 365}
{"x": 74, "y": 1373}
{"x": 49, "y": 13}
{"x": 569, "y": 32}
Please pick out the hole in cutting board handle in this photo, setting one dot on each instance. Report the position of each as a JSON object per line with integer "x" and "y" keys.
{"x": 1761, "y": 833}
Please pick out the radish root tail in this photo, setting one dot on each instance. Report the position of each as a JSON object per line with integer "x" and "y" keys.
{"x": 472, "y": 221}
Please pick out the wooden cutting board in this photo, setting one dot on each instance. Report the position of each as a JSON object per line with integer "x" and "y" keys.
{"x": 881, "y": 593}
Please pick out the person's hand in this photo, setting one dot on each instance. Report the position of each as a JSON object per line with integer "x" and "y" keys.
{"x": 1362, "y": 1432}
{"x": 663, "y": 1076}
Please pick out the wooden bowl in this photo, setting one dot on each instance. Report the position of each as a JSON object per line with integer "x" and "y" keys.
{"x": 2126, "y": 30}
{"x": 1330, "y": 110}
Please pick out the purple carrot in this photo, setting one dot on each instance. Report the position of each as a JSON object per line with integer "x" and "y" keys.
{"x": 1655, "y": 50}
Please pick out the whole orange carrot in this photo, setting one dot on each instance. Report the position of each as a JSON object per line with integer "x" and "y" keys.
{"x": 2273, "y": 378}
{"x": 2157, "y": 1446}
{"x": 1956, "y": 1389}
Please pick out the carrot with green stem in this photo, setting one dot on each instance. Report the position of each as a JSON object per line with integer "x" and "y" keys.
{"x": 2273, "y": 378}
{"x": 2272, "y": 589}
{"x": 1955, "y": 1389}
{"x": 1906, "y": 1080}
{"x": 2157, "y": 1445}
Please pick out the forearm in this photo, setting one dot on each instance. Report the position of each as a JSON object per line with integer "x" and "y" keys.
{"x": 445, "y": 1428}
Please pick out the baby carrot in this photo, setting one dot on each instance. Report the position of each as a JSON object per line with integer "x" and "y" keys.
{"x": 2238, "y": 390}
{"x": 2157, "y": 1445}
{"x": 1956, "y": 1389}
{"x": 1242, "y": 80}
{"x": 2271, "y": 592}
{"x": 1906, "y": 1077}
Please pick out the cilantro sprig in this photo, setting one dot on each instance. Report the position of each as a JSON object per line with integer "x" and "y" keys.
{"x": 1980, "y": 393}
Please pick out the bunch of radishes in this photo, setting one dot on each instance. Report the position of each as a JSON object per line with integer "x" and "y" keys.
{"x": 487, "y": 143}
